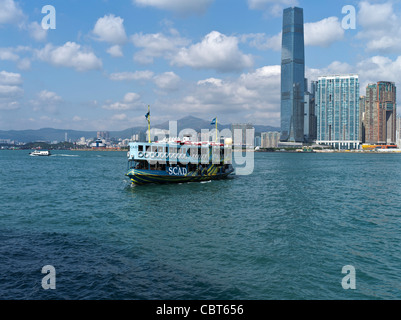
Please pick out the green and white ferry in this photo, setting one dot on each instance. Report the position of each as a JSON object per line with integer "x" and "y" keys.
{"x": 179, "y": 161}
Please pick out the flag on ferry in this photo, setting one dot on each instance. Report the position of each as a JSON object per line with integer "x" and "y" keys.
{"x": 214, "y": 121}
{"x": 147, "y": 116}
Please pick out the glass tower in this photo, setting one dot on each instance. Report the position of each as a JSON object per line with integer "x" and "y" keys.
{"x": 337, "y": 110}
{"x": 292, "y": 76}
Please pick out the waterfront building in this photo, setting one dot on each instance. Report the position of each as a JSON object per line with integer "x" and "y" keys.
{"x": 270, "y": 140}
{"x": 292, "y": 76}
{"x": 337, "y": 111}
{"x": 380, "y": 113}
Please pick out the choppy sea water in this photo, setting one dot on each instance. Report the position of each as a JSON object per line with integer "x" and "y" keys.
{"x": 284, "y": 232}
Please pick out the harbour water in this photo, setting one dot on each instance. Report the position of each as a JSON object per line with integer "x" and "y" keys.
{"x": 284, "y": 232}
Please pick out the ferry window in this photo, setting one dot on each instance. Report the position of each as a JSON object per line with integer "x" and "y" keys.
{"x": 140, "y": 148}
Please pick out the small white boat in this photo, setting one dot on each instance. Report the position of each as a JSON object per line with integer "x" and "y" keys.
{"x": 40, "y": 153}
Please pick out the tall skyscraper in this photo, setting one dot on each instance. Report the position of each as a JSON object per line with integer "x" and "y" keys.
{"x": 380, "y": 113}
{"x": 292, "y": 76}
{"x": 337, "y": 111}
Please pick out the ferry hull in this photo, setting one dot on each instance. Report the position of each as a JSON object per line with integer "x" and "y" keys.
{"x": 141, "y": 177}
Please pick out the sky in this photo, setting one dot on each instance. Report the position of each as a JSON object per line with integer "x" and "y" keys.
{"x": 103, "y": 62}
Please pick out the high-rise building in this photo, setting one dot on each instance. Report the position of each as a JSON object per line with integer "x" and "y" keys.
{"x": 310, "y": 123}
{"x": 337, "y": 111}
{"x": 380, "y": 113}
{"x": 103, "y": 135}
{"x": 270, "y": 140}
{"x": 292, "y": 76}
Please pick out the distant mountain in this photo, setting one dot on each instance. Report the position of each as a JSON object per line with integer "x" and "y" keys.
{"x": 50, "y": 134}
{"x": 46, "y": 134}
{"x": 199, "y": 124}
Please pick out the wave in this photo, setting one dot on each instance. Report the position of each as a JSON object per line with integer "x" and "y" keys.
{"x": 65, "y": 155}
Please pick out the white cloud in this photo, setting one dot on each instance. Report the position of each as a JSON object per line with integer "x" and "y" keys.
{"x": 216, "y": 51}
{"x": 36, "y": 31}
{"x": 10, "y": 12}
{"x": 46, "y": 96}
{"x": 110, "y": 29}
{"x": 7, "y": 91}
{"x": 12, "y": 54}
{"x": 324, "y": 32}
{"x": 335, "y": 67}
{"x": 381, "y": 27}
{"x": 379, "y": 68}
{"x": 273, "y": 6}
{"x": 119, "y": 117}
{"x": 10, "y": 90}
{"x": 24, "y": 64}
{"x": 253, "y": 97}
{"x": 70, "y": 55}
{"x": 262, "y": 42}
{"x": 8, "y": 54}
{"x": 377, "y": 15}
{"x": 179, "y": 6}
{"x": 129, "y": 76}
{"x": 8, "y": 105}
{"x": 130, "y": 101}
{"x": 168, "y": 81}
{"x": 156, "y": 45}
{"x": 370, "y": 70}
{"x": 115, "y": 51}
{"x": 77, "y": 119}
{"x": 9, "y": 78}
{"x": 46, "y": 101}
{"x": 131, "y": 97}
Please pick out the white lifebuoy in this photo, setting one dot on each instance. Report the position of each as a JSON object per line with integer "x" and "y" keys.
{"x": 140, "y": 154}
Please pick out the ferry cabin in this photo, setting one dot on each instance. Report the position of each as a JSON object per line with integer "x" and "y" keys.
{"x": 179, "y": 159}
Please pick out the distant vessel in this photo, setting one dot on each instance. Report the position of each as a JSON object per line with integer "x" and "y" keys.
{"x": 175, "y": 161}
{"x": 40, "y": 153}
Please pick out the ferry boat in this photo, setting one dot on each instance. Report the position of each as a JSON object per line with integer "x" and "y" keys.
{"x": 40, "y": 153}
{"x": 176, "y": 161}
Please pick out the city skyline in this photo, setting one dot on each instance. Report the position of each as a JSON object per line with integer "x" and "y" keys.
{"x": 104, "y": 63}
